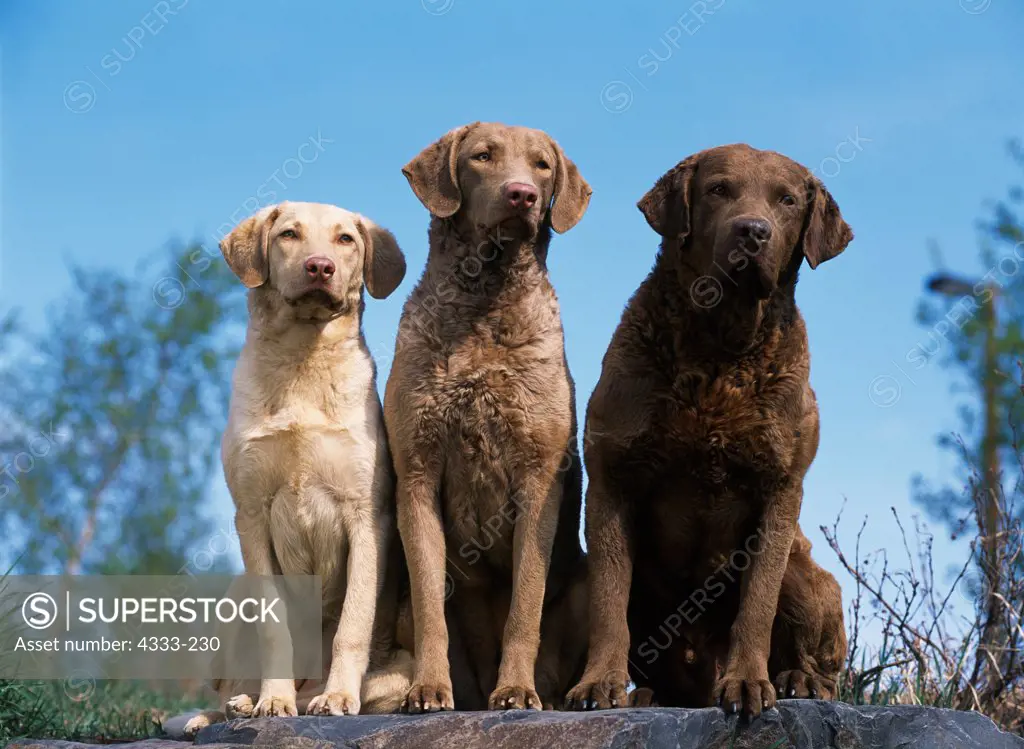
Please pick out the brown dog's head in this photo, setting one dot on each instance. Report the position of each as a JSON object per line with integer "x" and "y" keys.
{"x": 314, "y": 257}
{"x": 745, "y": 214}
{"x": 493, "y": 178}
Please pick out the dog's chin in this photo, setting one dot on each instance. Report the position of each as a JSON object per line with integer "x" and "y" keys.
{"x": 756, "y": 285}
{"x": 317, "y": 305}
{"x": 518, "y": 227}
{"x": 749, "y": 276}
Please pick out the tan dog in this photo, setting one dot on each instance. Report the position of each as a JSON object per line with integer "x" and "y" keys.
{"x": 305, "y": 454}
{"x": 698, "y": 437}
{"x": 480, "y": 412}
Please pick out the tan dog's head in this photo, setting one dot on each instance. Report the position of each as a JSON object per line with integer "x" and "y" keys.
{"x": 492, "y": 177}
{"x": 746, "y": 214}
{"x": 315, "y": 257}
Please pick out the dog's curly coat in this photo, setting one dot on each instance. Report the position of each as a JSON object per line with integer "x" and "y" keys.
{"x": 697, "y": 440}
{"x": 481, "y": 418}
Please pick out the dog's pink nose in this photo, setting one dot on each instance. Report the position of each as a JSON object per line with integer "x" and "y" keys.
{"x": 520, "y": 195}
{"x": 319, "y": 268}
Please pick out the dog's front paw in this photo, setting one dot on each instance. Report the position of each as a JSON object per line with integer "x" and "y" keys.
{"x": 746, "y": 694}
{"x": 599, "y": 694}
{"x": 429, "y": 698}
{"x": 272, "y": 706}
{"x": 333, "y": 703}
{"x": 800, "y": 685}
{"x": 239, "y": 707}
{"x": 514, "y": 698}
{"x": 196, "y": 724}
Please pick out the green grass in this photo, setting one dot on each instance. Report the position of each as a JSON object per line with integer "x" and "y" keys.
{"x": 103, "y": 711}
{"x": 84, "y": 709}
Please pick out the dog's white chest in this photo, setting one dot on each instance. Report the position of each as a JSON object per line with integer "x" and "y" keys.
{"x": 305, "y": 452}
{"x": 316, "y": 474}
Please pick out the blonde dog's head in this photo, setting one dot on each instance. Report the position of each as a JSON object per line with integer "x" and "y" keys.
{"x": 314, "y": 258}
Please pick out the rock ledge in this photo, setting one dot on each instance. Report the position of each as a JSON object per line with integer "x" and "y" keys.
{"x": 796, "y": 724}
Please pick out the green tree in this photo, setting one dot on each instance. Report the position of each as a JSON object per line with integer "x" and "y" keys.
{"x": 112, "y": 420}
{"x": 976, "y": 328}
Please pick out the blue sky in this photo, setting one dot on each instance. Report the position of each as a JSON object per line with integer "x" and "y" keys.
{"x": 124, "y": 124}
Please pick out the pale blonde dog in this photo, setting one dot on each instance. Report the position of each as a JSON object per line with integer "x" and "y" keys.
{"x": 305, "y": 454}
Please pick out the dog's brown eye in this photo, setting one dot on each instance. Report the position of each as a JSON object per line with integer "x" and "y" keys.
{"x": 788, "y": 200}
{"x": 482, "y": 156}
{"x": 289, "y": 234}
{"x": 541, "y": 164}
{"x": 719, "y": 190}
{"x": 346, "y": 239}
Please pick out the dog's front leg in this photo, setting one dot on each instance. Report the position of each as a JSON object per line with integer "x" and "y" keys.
{"x": 610, "y": 558}
{"x": 745, "y": 686}
{"x": 277, "y": 695}
{"x": 536, "y": 522}
{"x": 350, "y": 651}
{"x": 422, "y": 531}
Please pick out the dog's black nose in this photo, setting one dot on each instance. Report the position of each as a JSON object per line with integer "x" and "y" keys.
{"x": 319, "y": 268}
{"x": 756, "y": 229}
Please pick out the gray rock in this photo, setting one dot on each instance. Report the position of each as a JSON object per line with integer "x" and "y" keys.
{"x": 797, "y": 724}
{"x": 174, "y": 728}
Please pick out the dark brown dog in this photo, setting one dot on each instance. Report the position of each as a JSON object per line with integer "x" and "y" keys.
{"x": 480, "y": 415}
{"x": 698, "y": 437}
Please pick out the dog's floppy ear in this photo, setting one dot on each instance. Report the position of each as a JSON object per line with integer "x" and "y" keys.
{"x": 383, "y": 261}
{"x": 571, "y": 195}
{"x": 666, "y": 206}
{"x": 245, "y": 248}
{"x": 434, "y": 175}
{"x": 826, "y": 234}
